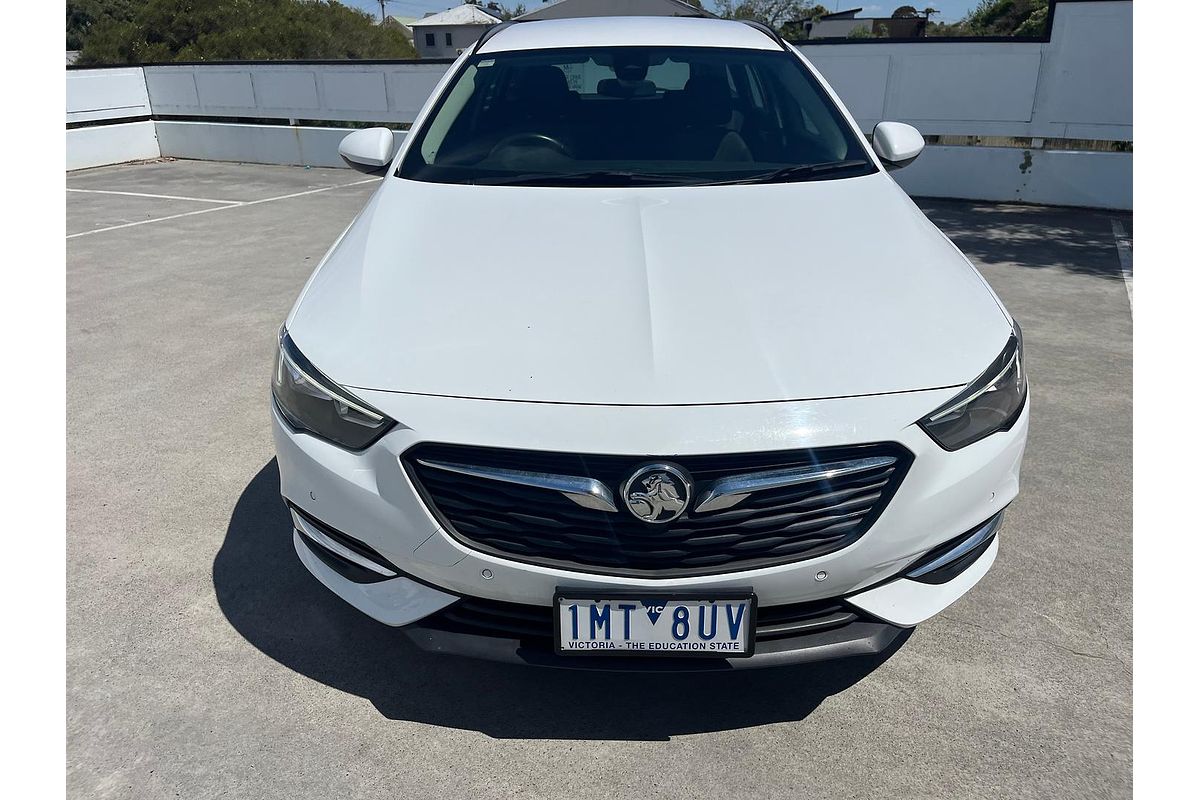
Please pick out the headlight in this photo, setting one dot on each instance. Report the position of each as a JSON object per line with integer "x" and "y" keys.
{"x": 310, "y": 401}
{"x": 991, "y": 403}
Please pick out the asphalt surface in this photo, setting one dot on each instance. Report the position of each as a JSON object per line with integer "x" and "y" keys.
{"x": 204, "y": 661}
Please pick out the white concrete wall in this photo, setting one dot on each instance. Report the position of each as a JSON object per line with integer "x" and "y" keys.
{"x": 1005, "y": 174}
{"x": 97, "y": 95}
{"x": 256, "y": 144}
{"x": 111, "y": 144}
{"x": 1077, "y": 85}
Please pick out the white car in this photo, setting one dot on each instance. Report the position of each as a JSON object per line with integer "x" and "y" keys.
{"x": 639, "y": 358}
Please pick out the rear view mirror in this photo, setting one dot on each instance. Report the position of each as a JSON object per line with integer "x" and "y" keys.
{"x": 368, "y": 150}
{"x": 897, "y": 144}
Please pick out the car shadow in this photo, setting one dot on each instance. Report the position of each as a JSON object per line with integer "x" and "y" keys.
{"x": 1037, "y": 237}
{"x": 272, "y": 600}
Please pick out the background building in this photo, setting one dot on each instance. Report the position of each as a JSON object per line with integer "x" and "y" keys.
{"x": 447, "y": 34}
{"x": 402, "y": 24}
{"x": 845, "y": 24}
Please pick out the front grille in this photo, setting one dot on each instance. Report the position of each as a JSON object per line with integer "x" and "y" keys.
{"x": 537, "y": 525}
{"x": 534, "y": 625}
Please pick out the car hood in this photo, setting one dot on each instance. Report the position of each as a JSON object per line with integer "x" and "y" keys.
{"x": 647, "y": 296}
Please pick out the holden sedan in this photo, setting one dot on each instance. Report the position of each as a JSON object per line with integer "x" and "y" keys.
{"x": 639, "y": 358}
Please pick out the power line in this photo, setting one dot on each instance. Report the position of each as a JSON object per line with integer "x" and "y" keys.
{"x": 411, "y": 5}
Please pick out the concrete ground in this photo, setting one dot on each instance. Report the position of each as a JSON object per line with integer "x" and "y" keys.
{"x": 204, "y": 661}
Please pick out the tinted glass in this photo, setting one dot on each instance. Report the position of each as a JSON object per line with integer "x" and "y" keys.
{"x": 612, "y": 116}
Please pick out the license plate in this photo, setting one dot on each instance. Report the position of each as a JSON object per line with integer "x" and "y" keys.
{"x": 711, "y": 624}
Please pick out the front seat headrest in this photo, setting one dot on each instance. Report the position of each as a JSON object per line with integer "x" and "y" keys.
{"x": 541, "y": 85}
{"x": 707, "y": 101}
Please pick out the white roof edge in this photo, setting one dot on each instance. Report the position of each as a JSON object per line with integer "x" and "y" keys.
{"x": 683, "y": 5}
{"x": 628, "y": 31}
{"x": 466, "y": 14}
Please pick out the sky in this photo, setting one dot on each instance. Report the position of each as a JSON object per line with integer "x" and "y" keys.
{"x": 952, "y": 10}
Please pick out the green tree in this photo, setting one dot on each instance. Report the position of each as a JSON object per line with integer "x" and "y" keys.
{"x": 1035, "y": 23}
{"x": 83, "y": 14}
{"x": 998, "y": 18}
{"x": 776, "y": 13}
{"x": 225, "y": 30}
{"x": 784, "y": 16}
{"x": 504, "y": 12}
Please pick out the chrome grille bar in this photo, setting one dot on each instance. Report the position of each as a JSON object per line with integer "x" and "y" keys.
{"x": 729, "y": 491}
{"x": 586, "y": 492}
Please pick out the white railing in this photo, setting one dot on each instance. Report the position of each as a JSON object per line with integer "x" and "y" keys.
{"x": 106, "y": 94}
{"x": 373, "y": 92}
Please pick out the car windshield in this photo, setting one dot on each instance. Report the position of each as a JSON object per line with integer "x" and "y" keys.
{"x": 634, "y": 116}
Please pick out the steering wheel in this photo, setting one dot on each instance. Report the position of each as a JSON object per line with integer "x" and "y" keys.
{"x": 532, "y": 140}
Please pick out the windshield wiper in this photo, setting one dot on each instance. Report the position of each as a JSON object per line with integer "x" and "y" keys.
{"x": 604, "y": 177}
{"x": 598, "y": 177}
{"x": 797, "y": 172}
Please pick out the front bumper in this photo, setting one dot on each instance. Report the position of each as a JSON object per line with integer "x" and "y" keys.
{"x": 522, "y": 634}
{"x": 369, "y": 496}
{"x": 860, "y": 638}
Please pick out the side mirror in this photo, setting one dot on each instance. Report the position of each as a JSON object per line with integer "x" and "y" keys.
{"x": 897, "y": 144}
{"x": 368, "y": 150}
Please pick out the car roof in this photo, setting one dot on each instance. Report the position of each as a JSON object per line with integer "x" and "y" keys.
{"x": 627, "y": 31}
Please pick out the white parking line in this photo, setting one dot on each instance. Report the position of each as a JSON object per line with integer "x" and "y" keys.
{"x": 1125, "y": 255}
{"x": 221, "y": 208}
{"x": 157, "y": 196}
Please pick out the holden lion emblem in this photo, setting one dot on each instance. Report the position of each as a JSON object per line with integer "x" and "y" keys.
{"x": 657, "y": 493}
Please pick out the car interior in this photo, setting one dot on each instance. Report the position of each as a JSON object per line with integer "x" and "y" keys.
{"x": 637, "y": 106}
